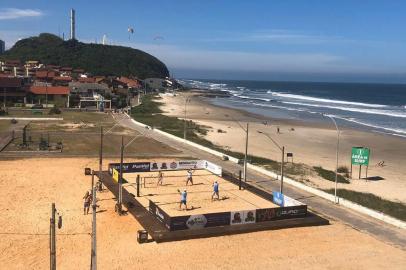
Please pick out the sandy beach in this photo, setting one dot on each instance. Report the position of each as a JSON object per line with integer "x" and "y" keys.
{"x": 311, "y": 143}
{"x": 25, "y": 208}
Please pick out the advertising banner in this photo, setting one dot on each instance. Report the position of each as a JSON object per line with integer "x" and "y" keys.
{"x": 211, "y": 167}
{"x": 177, "y": 165}
{"x": 266, "y": 214}
{"x": 278, "y": 198}
{"x": 130, "y": 167}
{"x": 360, "y": 156}
{"x": 194, "y": 222}
{"x": 242, "y": 217}
{"x": 190, "y": 164}
{"x": 159, "y": 214}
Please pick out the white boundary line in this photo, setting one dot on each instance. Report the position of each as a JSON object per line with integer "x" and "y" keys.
{"x": 346, "y": 203}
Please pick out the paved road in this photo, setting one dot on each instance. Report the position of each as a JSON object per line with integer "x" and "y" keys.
{"x": 380, "y": 230}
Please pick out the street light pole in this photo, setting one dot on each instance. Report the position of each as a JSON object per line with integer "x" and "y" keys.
{"x": 246, "y": 153}
{"x": 337, "y": 149}
{"x": 282, "y": 149}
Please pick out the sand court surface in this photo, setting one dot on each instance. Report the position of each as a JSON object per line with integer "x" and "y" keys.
{"x": 29, "y": 186}
{"x": 199, "y": 198}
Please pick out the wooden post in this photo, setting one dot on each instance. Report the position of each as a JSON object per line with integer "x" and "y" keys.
{"x": 239, "y": 180}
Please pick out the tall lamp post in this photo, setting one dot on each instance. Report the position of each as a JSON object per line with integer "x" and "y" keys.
{"x": 337, "y": 149}
{"x": 246, "y": 145}
{"x": 282, "y": 149}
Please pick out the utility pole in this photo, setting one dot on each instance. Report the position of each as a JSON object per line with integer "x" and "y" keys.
{"x": 93, "y": 262}
{"x": 52, "y": 240}
{"x": 245, "y": 158}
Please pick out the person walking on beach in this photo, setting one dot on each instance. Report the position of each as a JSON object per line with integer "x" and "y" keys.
{"x": 189, "y": 177}
{"x": 160, "y": 178}
{"x": 183, "y": 199}
{"x": 215, "y": 191}
{"x": 87, "y": 201}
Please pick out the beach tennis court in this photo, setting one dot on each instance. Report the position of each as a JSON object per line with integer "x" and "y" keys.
{"x": 199, "y": 198}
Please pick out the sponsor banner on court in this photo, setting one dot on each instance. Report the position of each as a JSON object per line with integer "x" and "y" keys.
{"x": 190, "y": 164}
{"x": 266, "y": 214}
{"x": 130, "y": 167}
{"x": 269, "y": 214}
{"x": 159, "y": 214}
{"x": 177, "y": 165}
{"x": 211, "y": 167}
{"x": 242, "y": 217}
{"x": 292, "y": 212}
{"x": 194, "y": 222}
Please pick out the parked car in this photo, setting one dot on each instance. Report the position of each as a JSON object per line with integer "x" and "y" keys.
{"x": 37, "y": 106}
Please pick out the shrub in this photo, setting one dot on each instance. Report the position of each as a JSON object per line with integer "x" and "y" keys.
{"x": 330, "y": 175}
{"x": 343, "y": 169}
{"x": 55, "y": 110}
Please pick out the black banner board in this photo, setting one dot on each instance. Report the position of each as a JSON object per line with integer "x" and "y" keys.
{"x": 269, "y": 214}
{"x": 131, "y": 167}
{"x": 160, "y": 214}
{"x": 200, "y": 221}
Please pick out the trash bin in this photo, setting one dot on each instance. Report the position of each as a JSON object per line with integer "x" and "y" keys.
{"x": 142, "y": 236}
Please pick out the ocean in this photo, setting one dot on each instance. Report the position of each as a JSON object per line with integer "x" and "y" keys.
{"x": 374, "y": 107}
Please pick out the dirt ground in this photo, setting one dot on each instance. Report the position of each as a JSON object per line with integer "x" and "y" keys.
{"x": 199, "y": 195}
{"x": 29, "y": 186}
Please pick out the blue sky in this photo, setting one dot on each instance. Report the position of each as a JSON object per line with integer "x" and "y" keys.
{"x": 276, "y": 40}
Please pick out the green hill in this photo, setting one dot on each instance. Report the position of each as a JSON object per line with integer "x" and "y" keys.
{"x": 94, "y": 58}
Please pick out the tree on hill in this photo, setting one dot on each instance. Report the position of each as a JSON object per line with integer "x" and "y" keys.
{"x": 97, "y": 59}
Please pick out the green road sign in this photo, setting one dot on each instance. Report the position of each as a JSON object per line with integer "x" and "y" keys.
{"x": 360, "y": 156}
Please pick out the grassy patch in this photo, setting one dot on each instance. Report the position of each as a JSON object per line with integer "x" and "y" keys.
{"x": 394, "y": 209}
{"x": 330, "y": 175}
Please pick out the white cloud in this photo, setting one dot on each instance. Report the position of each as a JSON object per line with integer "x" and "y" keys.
{"x": 280, "y": 36}
{"x": 15, "y": 13}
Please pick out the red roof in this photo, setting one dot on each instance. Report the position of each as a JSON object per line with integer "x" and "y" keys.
{"x": 130, "y": 83}
{"x": 44, "y": 74}
{"x": 66, "y": 69}
{"x": 51, "y": 90}
{"x": 64, "y": 79}
{"x": 86, "y": 80}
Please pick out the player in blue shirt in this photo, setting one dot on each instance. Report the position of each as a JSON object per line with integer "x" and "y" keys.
{"x": 183, "y": 199}
{"x": 215, "y": 191}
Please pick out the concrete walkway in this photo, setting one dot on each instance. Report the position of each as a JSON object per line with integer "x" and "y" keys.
{"x": 376, "y": 228}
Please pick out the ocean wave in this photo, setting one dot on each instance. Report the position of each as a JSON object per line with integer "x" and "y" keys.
{"x": 353, "y": 120}
{"x": 325, "y": 100}
{"x": 352, "y": 109}
{"x": 253, "y": 98}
